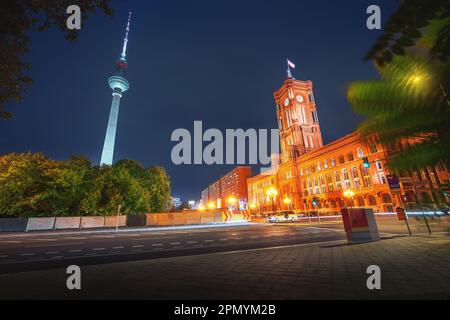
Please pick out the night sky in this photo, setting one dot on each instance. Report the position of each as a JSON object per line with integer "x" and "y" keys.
{"x": 215, "y": 61}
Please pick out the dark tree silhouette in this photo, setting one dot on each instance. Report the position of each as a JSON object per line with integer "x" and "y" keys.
{"x": 17, "y": 19}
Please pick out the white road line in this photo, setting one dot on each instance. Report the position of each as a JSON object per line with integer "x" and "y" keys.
{"x": 226, "y": 239}
{"x": 157, "y": 244}
{"x": 75, "y": 250}
{"x": 138, "y": 246}
{"x": 98, "y": 249}
{"x": 52, "y": 252}
{"x": 237, "y": 238}
{"x": 208, "y": 240}
{"x": 174, "y": 243}
{"x": 28, "y": 254}
{"x": 253, "y": 237}
{"x": 192, "y": 242}
{"x": 55, "y": 245}
{"x": 57, "y": 257}
{"x": 11, "y": 241}
{"x": 117, "y": 247}
{"x": 4, "y": 256}
{"x": 150, "y": 239}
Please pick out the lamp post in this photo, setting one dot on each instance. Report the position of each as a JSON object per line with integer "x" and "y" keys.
{"x": 232, "y": 200}
{"x": 272, "y": 193}
{"x": 252, "y": 207}
{"x": 287, "y": 201}
{"x": 349, "y": 195}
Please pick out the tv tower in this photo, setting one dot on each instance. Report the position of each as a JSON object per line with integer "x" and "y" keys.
{"x": 119, "y": 84}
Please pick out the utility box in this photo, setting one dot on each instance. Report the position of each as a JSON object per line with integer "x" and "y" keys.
{"x": 360, "y": 224}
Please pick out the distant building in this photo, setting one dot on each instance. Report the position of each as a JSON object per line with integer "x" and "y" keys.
{"x": 231, "y": 185}
{"x": 176, "y": 202}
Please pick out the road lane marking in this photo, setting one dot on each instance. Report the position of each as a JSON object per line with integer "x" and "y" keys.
{"x": 150, "y": 239}
{"x": 118, "y": 247}
{"x": 174, "y": 243}
{"x": 28, "y": 254}
{"x": 102, "y": 237}
{"x": 225, "y": 239}
{"x": 157, "y": 244}
{"x": 52, "y": 252}
{"x": 192, "y": 242}
{"x": 55, "y": 245}
{"x": 75, "y": 250}
{"x": 11, "y": 241}
{"x": 98, "y": 249}
{"x": 208, "y": 240}
{"x": 57, "y": 257}
{"x": 4, "y": 256}
{"x": 138, "y": 246}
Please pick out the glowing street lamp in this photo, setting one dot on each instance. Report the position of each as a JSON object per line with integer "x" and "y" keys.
{"x": 349, "y": 195}
{"x": 272, "y": 193}
{"x": 232, "y": 201}
{"x": 201, "y": 208}
{"x": 211, "y": 205}
{"x": 287, "y": 201}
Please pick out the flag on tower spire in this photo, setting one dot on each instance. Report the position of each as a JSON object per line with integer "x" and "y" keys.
{"x": 125, "y": 40}
{"x": 290, "y": 65}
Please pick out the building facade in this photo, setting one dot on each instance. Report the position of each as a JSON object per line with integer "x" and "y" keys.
{"x": 231, "y": 185}
{"x": 308, "y": 176}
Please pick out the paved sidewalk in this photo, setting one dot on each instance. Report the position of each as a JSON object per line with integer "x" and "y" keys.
{"x": 415, "y": 267}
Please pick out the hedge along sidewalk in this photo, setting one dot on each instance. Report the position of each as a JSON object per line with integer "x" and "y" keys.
{"x": 122, "y": 230}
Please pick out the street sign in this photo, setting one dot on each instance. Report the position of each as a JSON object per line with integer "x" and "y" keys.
{"x": 393, "y": 182}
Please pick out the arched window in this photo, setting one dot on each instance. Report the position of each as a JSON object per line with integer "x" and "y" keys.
{"x": 372, "y": 201}
{"x": 386, "y": 198}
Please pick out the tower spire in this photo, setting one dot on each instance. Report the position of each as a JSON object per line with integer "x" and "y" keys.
{"x": 125, "y": 40}
{"x": 119, "y": 84}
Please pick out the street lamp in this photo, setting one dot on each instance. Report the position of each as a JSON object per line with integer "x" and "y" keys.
{"x": 349, "y": 195}
{"x": 287, "y": 201}
{"x": 211, "y": 205}
{"x": 272, "y": 193}
{"x": 201, "y": 208}
{"x": 232, "y": 200}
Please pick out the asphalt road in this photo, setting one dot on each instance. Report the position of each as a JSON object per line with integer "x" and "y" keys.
{"x": 45, "y": 251}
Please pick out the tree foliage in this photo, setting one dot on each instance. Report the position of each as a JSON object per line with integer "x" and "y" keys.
{"x": 18, "y": 18}
{"x": 34, "y": 185}
{"x": 406, "y": 27}
{"x": 410, "y": 101}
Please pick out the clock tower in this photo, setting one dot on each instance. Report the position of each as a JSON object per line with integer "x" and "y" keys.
{"x": 297, "y": 118}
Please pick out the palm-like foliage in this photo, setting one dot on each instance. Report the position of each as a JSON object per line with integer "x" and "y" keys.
{"x": 409, "y": 101}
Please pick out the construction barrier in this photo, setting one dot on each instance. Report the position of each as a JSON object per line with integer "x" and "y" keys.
{"x": 92, "y": 222}
{"x": 36, "y": 224}
{"x": 207, "y": 217}
{"x": 151, "y": 219}
{"x": 13, "y": 224}
{"x": 67, "y": 223}
{"x": 164, "y": 219}
{"x": 193, "y": 218}
{"x": 179, "y": 218}
{"x": 136, "y": 220}
{"x": 236, "y": 216}
{"x": 111, "y": 221}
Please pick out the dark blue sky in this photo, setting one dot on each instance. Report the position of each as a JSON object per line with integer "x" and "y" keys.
{"x": 216, "y": 61}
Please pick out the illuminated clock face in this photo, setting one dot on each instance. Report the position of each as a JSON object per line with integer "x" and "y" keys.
{"x": 286, "y": 102}
{"x": 299, "y": 98}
